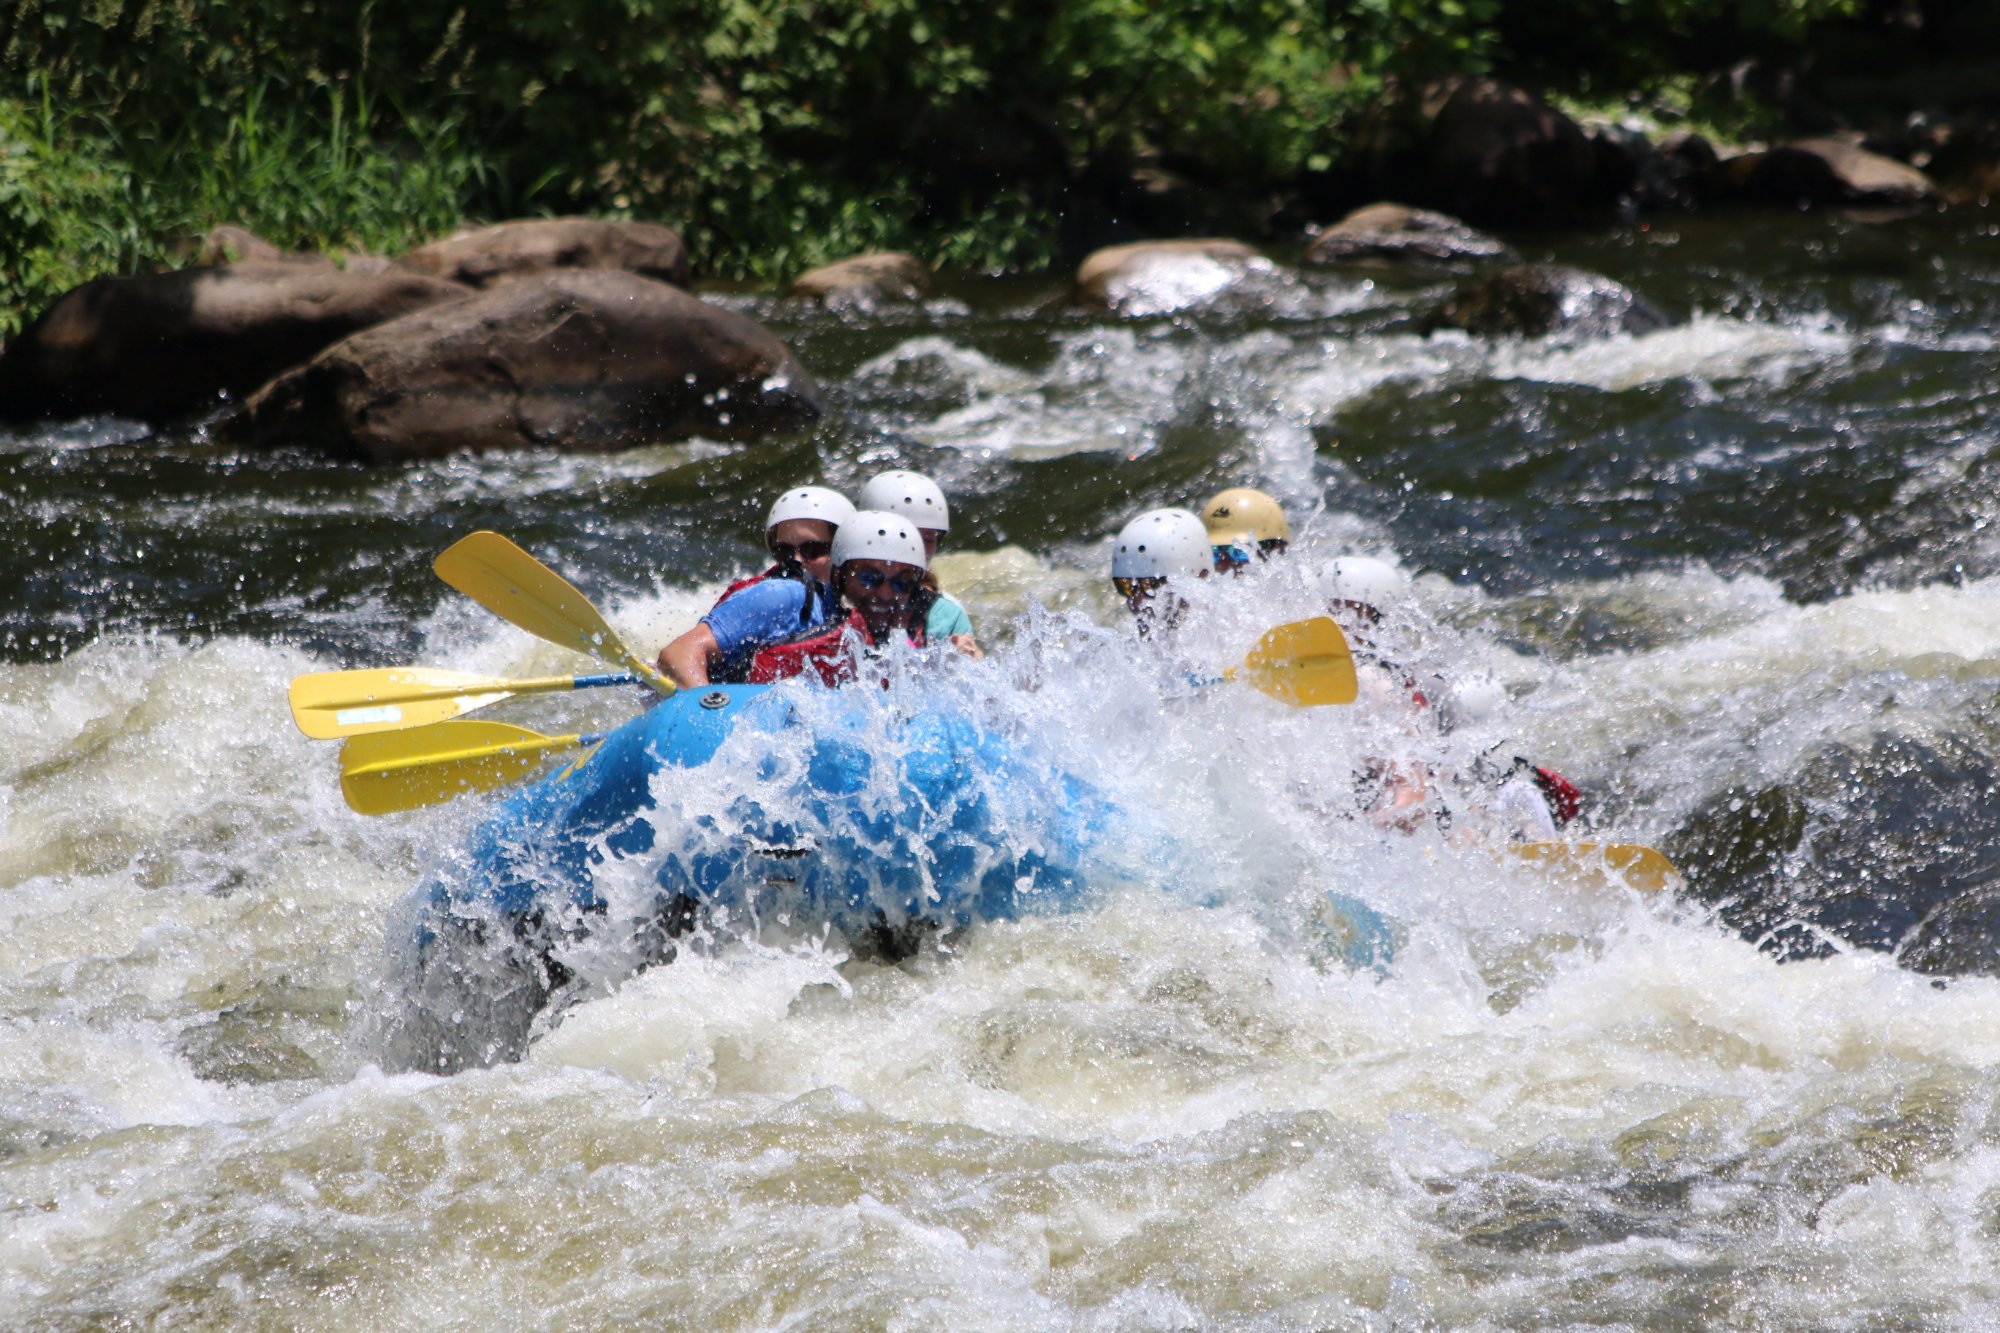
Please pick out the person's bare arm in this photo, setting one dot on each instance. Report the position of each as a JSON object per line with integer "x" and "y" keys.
{"x": 687, "y": 658}
{"x": 968, "y": 645}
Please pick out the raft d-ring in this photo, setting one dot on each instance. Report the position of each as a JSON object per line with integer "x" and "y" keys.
{"x": 715, "y": 699}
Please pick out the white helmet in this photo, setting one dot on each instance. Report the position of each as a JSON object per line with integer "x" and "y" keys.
{"x": 828, "y": 506}
{"x": 1471, "y": 700}
{"x": 911, "y": 494}
{"x": 1159, "y": 544}
{"x": 1356, "y": 578}
{"x": 874, "y": 535}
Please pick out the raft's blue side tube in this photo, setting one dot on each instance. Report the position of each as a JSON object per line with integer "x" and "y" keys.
{"x": 968, "y": 829}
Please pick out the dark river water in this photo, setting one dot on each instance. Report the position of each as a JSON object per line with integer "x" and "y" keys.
{"x": 1738, "y": 577}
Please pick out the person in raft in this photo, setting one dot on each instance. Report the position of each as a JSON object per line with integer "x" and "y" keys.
{"x": 764, "y": 633}
{"x": 1360, "y": 593}
{"x": 1244, "y": 524}
{"x": 798, "y": 532}
{"x": 918, "y": 498}
{"x": 1151, "y": 551}
{"x": 1528, "y": 800}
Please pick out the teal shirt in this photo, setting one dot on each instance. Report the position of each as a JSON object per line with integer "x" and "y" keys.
{"x": 946, "y": 619}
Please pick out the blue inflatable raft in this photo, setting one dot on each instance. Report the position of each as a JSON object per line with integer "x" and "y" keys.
{"x": 732, "y": 809}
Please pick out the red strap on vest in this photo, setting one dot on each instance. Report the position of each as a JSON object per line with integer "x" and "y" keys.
{"x": 774, "y": 572}
{"x": 1565, "y": 801}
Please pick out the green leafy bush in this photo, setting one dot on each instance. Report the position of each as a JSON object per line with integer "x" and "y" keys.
{"x": 66, "y": 210}
{"x": 774, "y": 133}
{"x": 78, "y": 199}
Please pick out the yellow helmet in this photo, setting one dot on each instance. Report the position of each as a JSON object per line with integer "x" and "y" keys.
{"x": 1244, "y": 517}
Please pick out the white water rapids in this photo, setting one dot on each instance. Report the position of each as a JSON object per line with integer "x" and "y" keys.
{"x": 1556, "y": 1108}
{"x": 1752, "y": 553}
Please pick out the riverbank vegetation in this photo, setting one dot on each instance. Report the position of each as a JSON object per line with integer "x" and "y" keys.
{"x": 775, "y": 134}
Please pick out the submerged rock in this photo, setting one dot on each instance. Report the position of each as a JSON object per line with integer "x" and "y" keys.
{"x": 1535, "y": 300}
{"x": 540, "y": 245}
{"x": 582, "y": 361}
{"x": 164, "y": 346}
{"x": 1397, "y": 234}
{"x": 1891, "y": 846}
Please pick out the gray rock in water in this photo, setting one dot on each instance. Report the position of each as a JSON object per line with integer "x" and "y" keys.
{"x": 580, "y": 361}
{"x": 865, "y": 281}
{"x": 1163, "y": 277}
{"x": 1960, "y": 938}
{"x": 165, "y": 346}
{"x": 540, "y": 245}
{"x": 1535, "y": 300}
{"x": 1394, "y": 234}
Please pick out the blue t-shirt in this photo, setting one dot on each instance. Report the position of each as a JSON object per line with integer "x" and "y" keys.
{"x": 946, "y": 619}
{"x": 765, "y": 613}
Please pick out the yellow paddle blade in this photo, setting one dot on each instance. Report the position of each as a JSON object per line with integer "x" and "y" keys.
{"x": 1625, "y": 863}
{"x": 523, "y": 591}
{"x": 329, "y": 705}
{"x": 1306, "y": 663}
{"x": 407, "y": 770}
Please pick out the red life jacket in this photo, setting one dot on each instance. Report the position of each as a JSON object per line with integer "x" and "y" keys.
{"x": 823, "y": 648}
{"x": 774, "y": 572}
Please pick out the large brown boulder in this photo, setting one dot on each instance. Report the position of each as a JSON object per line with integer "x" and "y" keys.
{"x": 1535, "y": 300}
{"x": 1501, "y": 157}
{"x": 583, "y": 361}
{"x": 1822, "y": 172}
{"x": 165, "y": 346}
{"x": 539, "y": 245}
{"x": 1396, "y": 235}
{"x": 866, "y": 281}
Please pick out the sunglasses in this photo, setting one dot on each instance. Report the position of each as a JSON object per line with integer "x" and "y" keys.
{"x": 871, "y": 579}
{"x": 802, "y": 550}
{"x": 1130, "y": 588}
{"x": 1237, "y": 555}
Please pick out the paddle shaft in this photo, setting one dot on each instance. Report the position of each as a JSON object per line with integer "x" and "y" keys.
{"x": 412, "y": 763}
{"x": 534, "y": 685}
{"x": 336, "y": 705}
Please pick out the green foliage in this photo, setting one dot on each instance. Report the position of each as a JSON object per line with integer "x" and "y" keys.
{"x": 1596, "y": 47}
{"x": 65, "y": 208}
{"x": 79, "y": 200}
{"x": 315, "y": 183}
{"x": 775, "y": 134}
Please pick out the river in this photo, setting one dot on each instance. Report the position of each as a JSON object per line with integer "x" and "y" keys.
{"x": 1739, "y": 578}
